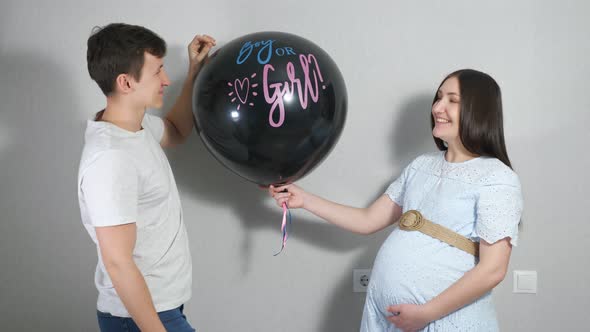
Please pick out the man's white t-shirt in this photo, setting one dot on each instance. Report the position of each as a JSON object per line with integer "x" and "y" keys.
{"x": 125, "y": 177}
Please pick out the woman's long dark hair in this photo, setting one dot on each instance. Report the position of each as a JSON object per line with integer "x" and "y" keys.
{"x": 481, "y": 128}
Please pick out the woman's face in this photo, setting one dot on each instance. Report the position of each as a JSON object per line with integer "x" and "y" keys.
{"x": 445, "y": 111}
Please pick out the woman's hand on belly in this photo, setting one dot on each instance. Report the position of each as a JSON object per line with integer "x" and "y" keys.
{"x": 409, "y": 317}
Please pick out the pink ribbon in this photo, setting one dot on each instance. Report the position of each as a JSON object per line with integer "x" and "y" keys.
{"x": 284, "y": 225}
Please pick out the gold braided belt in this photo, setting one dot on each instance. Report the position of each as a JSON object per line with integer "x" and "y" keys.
{"x": 413, "y": 220}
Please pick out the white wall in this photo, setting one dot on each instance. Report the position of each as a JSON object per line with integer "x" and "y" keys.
{"x": 393, "y": 55}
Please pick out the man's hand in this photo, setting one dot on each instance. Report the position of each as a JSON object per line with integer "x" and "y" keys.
{"x": 198, "y": 51}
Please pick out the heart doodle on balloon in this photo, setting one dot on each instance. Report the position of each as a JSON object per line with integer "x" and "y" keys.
{"x": 242, "y": 89}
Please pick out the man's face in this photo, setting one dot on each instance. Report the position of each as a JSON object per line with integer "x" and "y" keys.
{"x": 149, "y": 89}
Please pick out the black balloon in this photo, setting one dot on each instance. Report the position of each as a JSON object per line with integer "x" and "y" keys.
{"x": 270, "y": 106}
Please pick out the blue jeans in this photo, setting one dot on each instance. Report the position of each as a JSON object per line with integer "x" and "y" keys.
{"x": 174, "y": 321}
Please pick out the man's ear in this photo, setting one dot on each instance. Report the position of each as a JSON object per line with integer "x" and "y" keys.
{"x": 123, "y": 83}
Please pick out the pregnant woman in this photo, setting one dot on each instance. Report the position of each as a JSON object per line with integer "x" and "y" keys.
{"x": 458, "y": 211}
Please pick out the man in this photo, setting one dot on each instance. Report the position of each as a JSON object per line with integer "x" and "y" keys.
{"x": 127, "y": 193}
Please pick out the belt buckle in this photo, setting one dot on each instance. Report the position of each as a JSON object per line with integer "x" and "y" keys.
{"x": 411, "y": 220}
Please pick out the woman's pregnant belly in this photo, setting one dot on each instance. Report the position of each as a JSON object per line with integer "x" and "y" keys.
{"x": 412, "y": 268}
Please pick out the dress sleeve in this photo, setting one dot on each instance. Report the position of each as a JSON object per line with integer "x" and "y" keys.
{"x": 109, "y": 187}
{"x": 396, "y": 191}
{"x": 498, "y": 212}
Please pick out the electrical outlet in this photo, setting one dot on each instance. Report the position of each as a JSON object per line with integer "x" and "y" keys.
{"x": 360, "y": 280}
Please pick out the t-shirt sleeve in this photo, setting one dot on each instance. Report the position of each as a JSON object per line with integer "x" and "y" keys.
{"x": 154, "y": 125}
{"x": 397, "y": 190}
{"x": 109, "y": 188}
{"x": 498, "y": 212}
